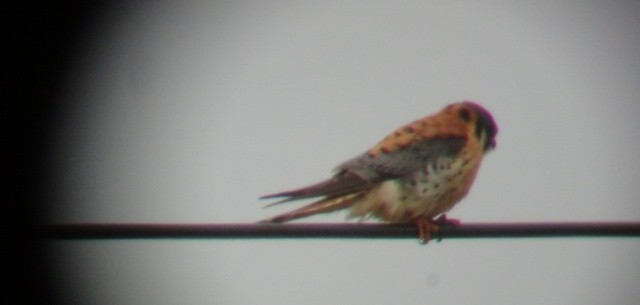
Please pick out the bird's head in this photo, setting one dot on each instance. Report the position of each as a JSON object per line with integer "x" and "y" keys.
{"x": 481, "y": 120}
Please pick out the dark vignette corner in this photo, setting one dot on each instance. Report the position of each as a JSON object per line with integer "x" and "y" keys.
{"x": 40, "y": 37}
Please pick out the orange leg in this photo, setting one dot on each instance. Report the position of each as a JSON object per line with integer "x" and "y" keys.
{"x": 426, "y": 226}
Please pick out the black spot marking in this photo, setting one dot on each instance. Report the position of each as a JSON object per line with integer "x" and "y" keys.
{"x": 465, "y": 115}
{"x": 436, "y": 185}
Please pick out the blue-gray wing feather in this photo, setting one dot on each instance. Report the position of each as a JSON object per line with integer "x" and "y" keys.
{"x": 365, "y": 171}
{"x": 403, "y": 162}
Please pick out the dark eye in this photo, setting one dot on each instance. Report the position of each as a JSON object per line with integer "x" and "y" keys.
{"x": 465, "y": 115}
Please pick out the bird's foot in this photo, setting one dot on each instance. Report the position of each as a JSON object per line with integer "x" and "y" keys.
{"x": 426, "y": 226}
{"x": 444, "y": 221}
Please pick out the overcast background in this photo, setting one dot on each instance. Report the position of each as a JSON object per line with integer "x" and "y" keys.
{"x": 188, "y": 112}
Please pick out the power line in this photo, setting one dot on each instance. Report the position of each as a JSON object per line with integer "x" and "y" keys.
{"x": 334, "y": 230}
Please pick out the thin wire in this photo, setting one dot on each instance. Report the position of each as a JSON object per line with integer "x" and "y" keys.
{"x": 333, "y": 230}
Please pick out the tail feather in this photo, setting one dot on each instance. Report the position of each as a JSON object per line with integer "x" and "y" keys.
{"x": 314, "y": 190}
{"x": 325, "y": 205}
{"x": 304, "y": 192}
{"x": 341, "y": 184}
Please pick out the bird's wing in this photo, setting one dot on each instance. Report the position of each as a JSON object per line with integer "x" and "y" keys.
{"x": 367, "y": 169}
{"x": 405, "y": 161}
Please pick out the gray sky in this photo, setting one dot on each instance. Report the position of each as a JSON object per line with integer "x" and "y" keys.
{"x": 186, "y": 113}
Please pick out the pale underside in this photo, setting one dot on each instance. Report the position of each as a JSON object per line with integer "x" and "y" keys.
{"x": 427, "y": 193}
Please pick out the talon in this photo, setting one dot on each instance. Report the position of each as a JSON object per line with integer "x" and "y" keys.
{"x": 425, "y": 228}
{"x": 444, "y": 221}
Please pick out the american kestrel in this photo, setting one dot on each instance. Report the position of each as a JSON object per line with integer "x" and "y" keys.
{"x": 416, "y": 173}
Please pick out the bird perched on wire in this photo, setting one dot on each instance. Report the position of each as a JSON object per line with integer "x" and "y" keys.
{"x": 416, "y": 173}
